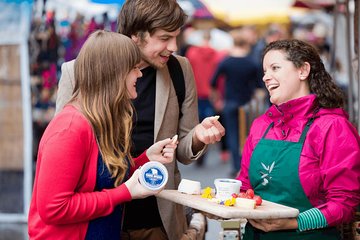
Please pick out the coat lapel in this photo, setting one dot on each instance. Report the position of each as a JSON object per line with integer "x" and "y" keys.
{"x": 163, "y": 82}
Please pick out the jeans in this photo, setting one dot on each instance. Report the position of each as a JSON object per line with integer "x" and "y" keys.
{"x": 205, "y": 109}
{"x": 231, "y": 122}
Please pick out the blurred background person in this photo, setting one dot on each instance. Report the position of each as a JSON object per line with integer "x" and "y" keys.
{"x": 241, "y": 78}
{"x": 204, "y": 60}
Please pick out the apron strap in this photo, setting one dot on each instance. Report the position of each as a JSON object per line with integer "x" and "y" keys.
{"x": 304, "y": 132}
{"x": 306, "y": 129}
{"x": 267, "y": 130}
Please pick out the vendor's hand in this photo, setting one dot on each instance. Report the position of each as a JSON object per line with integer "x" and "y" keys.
{"x": 163, "y": 151}
{"x": 209, "y": 131}
{"x": 136, "y": 189}
{"x": 269, "y": 225}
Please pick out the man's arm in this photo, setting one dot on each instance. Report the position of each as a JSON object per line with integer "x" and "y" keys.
{"x": 66, "y": 85}
{"x": 194, "y": 136}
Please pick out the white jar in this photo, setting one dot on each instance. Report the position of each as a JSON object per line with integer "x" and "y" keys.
{"x": 153, "y": 175}
{"x": 225, "y": 187}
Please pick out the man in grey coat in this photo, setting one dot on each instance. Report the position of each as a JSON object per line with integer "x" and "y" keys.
{"x": 154, "y": 25}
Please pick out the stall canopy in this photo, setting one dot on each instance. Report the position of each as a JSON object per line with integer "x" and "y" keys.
{"x": 241, "y": 12}
{"x": 119, "y": 2}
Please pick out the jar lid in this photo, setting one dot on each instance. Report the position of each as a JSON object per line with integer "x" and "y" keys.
{"x": 153, "y": 175}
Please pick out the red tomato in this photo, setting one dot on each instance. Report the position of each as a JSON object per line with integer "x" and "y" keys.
{"x": 242, "y": 195}
{"x": 250, "y": 193}
{"x": 258, "y": 200}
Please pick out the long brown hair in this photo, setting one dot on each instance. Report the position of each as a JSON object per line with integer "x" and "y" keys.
{"x": 329, "y": 95}
{"x": 101, "y": 69}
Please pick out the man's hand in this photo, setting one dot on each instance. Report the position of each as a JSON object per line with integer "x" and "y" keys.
{"x": 269, "y": 225}
{"x": 163, "y": 151}
{"x": 208, "y": 131}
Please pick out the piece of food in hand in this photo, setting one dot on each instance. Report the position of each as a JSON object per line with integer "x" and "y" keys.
{"x": 216, "y": 117}
{"x": 245, "y": 203}
{"x": 189, "y": 187}
{"x": 174, "y": 139}
{"x": 258, "y": 200}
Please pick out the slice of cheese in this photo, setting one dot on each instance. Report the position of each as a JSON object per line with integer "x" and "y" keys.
{"x": 189, "y": 187}
{"x": 245, "y": 203}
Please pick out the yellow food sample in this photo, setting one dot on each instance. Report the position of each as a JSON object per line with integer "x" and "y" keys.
{"x": 207, "y": 193}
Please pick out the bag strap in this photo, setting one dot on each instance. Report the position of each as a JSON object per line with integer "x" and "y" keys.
{"x": 177, "y": 77}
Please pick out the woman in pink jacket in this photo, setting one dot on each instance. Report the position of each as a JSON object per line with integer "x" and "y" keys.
{"x": 84, "y": 170}
{"x": 303, "y": 152}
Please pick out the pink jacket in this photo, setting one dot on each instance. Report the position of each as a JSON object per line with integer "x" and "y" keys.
{"x": 63, "y": 200}
{"x": 329, "y": 168}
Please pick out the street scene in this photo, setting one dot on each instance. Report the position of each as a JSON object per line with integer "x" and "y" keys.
{"x": 261, "y": 92}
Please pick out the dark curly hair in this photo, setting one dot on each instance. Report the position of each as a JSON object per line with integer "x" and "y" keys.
{"x": 329, "y": 95}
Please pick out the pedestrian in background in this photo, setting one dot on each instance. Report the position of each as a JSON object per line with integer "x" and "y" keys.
{"x": 204, "y": 60}
{"x": 85, "y": 172}
{"x": 303, "y": 152}
{"x": 154, "y": 26}
{"x": 241, "y": 77}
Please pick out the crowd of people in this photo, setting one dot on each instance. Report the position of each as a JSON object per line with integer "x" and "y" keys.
{"x": 116, "y": 108}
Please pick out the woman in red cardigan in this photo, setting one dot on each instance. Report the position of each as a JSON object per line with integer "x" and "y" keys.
{"x": 84, "y": 170}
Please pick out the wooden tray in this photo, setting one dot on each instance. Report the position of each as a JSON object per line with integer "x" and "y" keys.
{"x": 267, "y": 210}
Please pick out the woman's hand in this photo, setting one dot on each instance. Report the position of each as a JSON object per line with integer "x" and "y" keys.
{"x": 136, "y": 189}
{"x": 163, "y": 151}
{"x": 269, "y": 225}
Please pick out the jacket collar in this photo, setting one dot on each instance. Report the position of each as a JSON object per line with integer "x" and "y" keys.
{"x": 303, "y": 106}
{"x": 291, "y": 115}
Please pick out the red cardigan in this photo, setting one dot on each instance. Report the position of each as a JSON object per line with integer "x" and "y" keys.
{"x": 63, "y": 200}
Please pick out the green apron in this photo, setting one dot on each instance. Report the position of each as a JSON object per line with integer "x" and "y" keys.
{"x": 274, "y": 175}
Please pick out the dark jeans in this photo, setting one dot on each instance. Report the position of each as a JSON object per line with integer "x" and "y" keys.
{"x": 231, "y": 122}
{"x": 205, "y": 109}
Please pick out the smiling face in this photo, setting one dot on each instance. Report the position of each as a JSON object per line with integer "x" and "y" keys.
{"x": 131, "y": 79}
{"x": 282, "y": 79}
{"x": 157, "y": 48}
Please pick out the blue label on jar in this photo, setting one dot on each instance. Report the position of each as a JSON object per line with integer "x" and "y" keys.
{"x": 154, "y": 177}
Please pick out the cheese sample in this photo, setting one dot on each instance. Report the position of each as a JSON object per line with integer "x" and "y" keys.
{"x": 245, "y": 203}
{"x": 189, "y": 187}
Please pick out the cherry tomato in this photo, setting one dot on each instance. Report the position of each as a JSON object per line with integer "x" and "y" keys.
{"x": 242, "y": 195}
{"x": 258, "y": 200}
{"x": 250, "y": 193}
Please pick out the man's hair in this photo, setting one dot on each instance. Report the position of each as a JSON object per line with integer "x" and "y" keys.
{"x": 101, "y": 69}
{"x": 140, "y": 16}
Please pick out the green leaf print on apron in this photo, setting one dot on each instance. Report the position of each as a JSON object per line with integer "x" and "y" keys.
{"x": 274, "y": 175}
